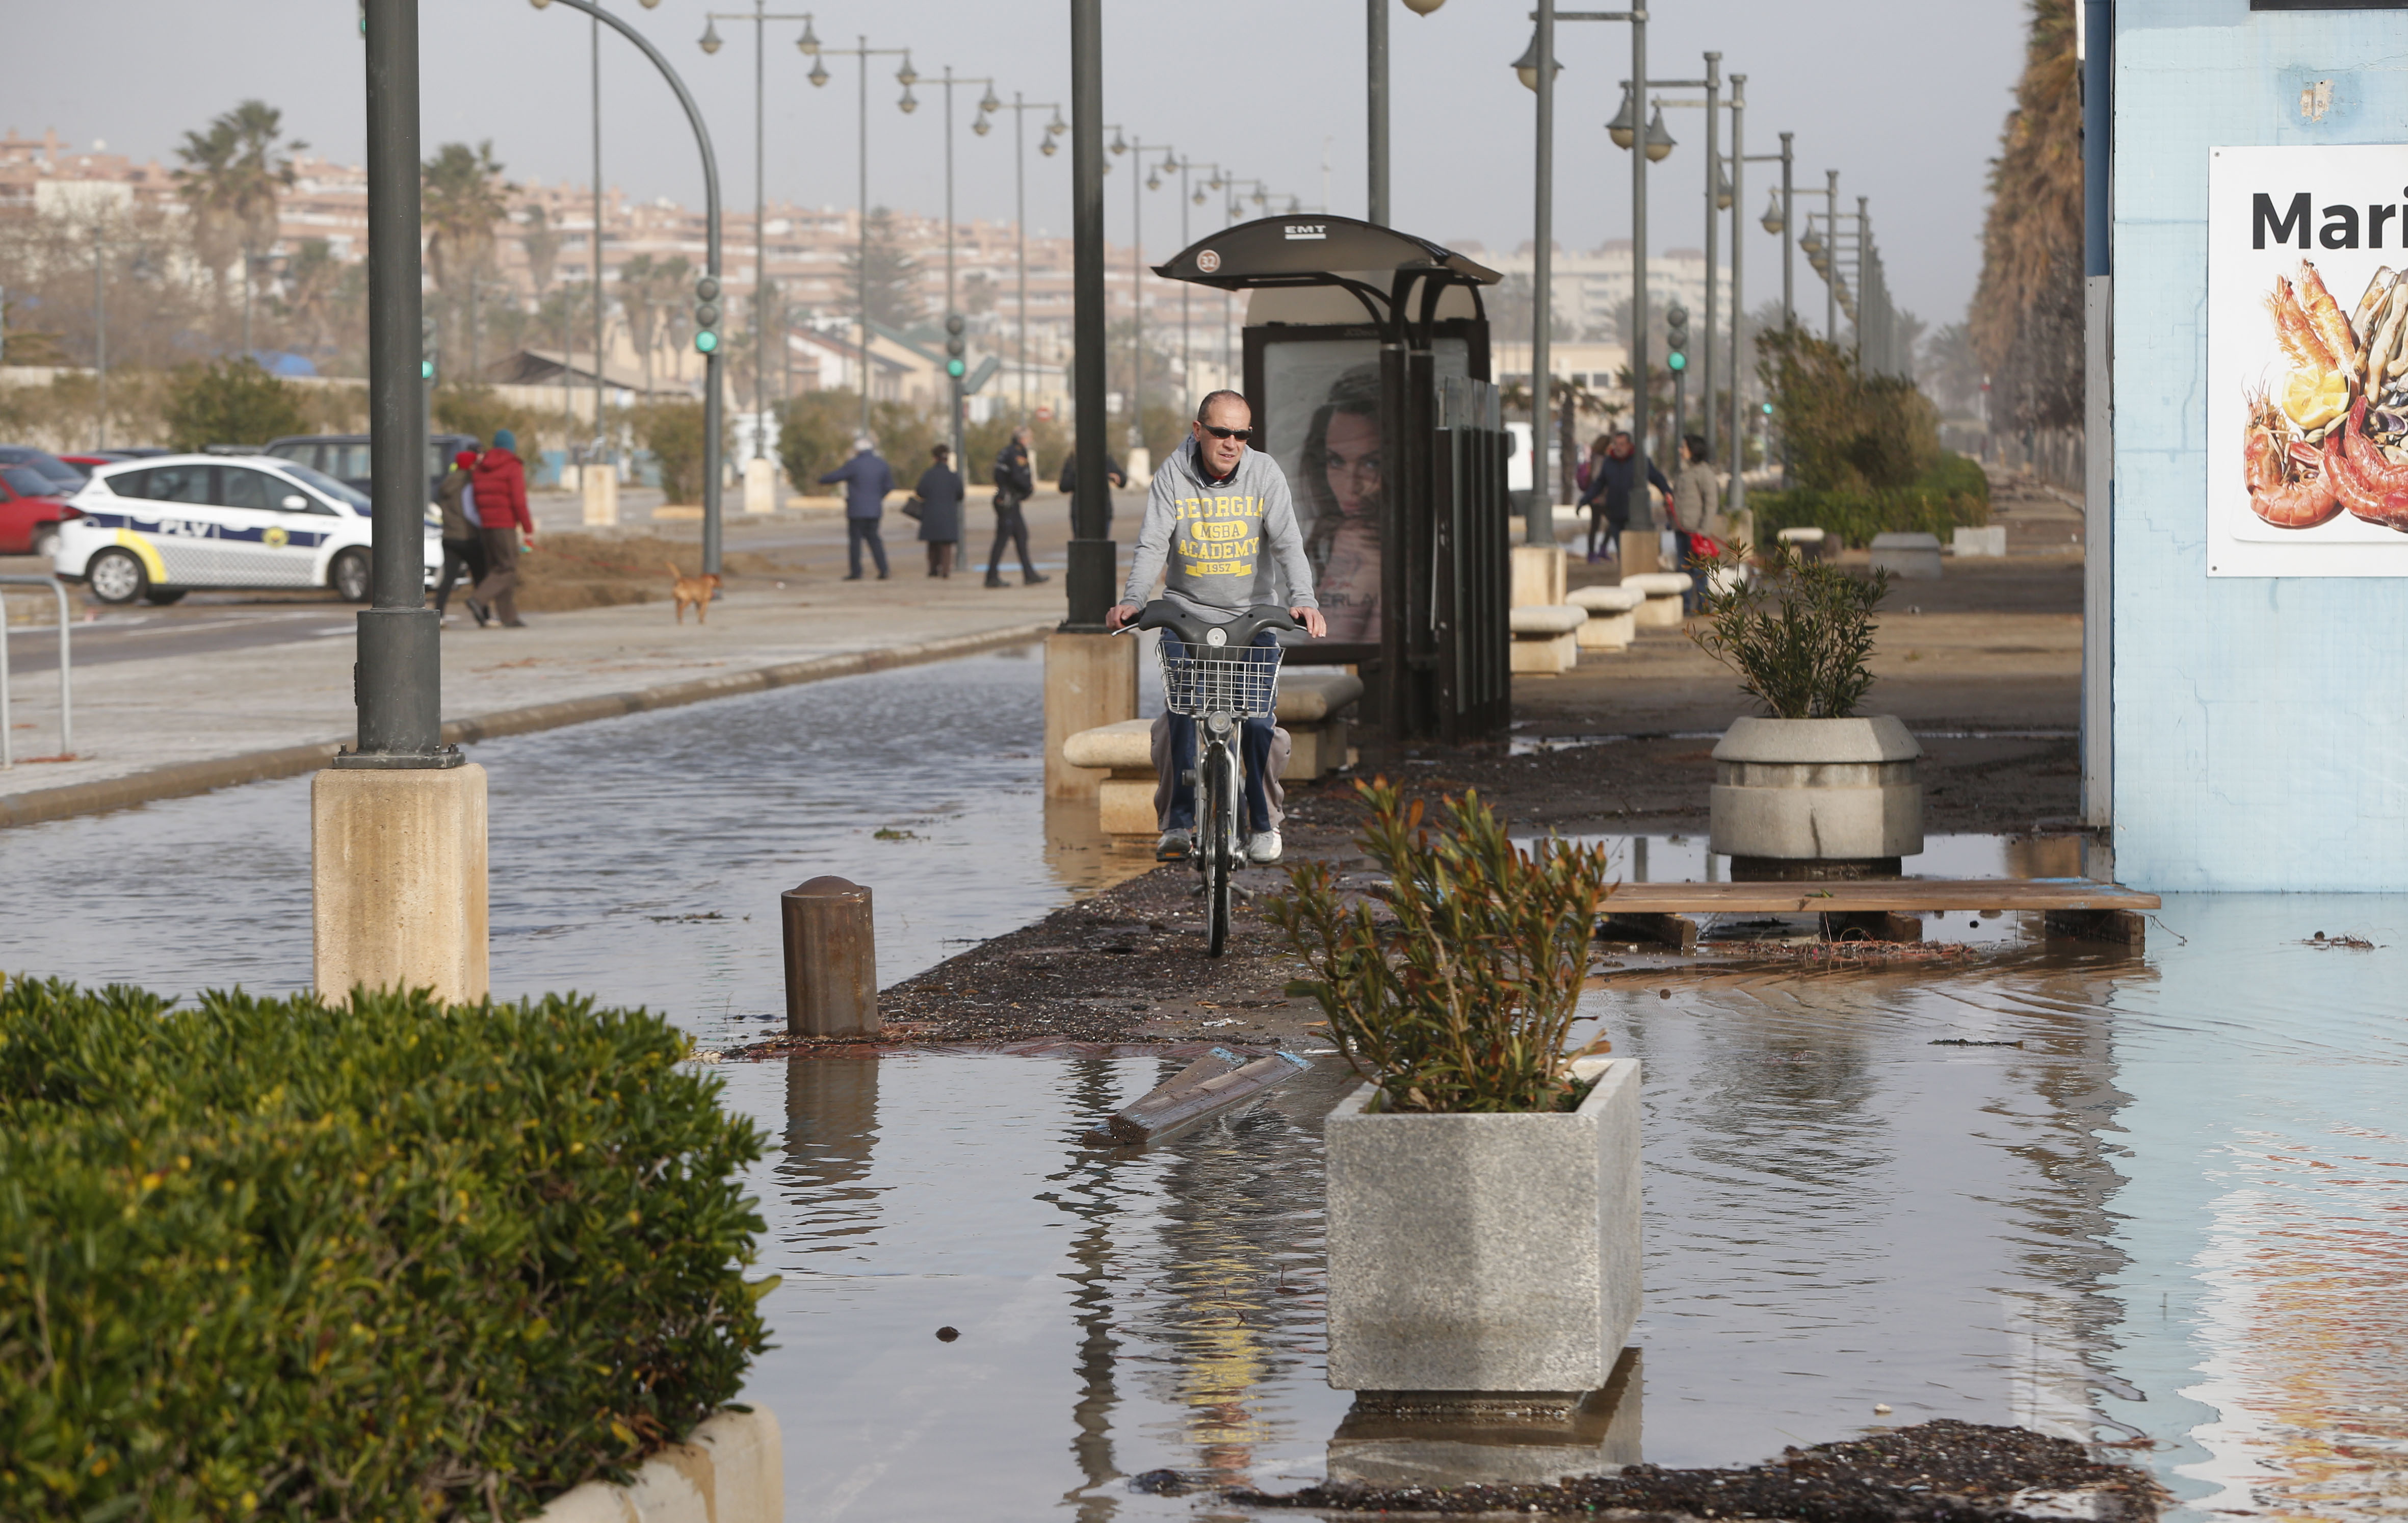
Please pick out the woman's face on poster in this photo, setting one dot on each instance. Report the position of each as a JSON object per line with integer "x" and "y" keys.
{"x": 1352, "y": 461}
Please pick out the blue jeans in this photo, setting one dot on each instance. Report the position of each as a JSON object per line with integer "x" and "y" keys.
{"x": 1253, "y": 752}
{"x": 857, "y": 530}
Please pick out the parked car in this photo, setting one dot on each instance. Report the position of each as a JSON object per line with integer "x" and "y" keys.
{"x": 157, "y": 528}
{"x": 66, "y": 476}
{"x": 32, "y": 508}
{"x": 345, "y": 456}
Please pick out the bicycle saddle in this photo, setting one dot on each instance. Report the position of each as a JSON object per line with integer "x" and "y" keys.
{"x": 1162, "y": 614}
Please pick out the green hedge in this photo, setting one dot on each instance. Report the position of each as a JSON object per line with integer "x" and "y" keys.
{"x": 386, "y": 1259}
{"x": 1954, "y": 491}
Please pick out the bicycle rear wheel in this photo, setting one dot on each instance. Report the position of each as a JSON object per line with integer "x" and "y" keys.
{"x": 1217, "y": 812}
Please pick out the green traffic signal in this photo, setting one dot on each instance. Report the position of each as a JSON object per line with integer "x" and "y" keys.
{"x": 706, "y": 341}
{"x": 426, "y": 369}
{"x": 1676, "y": 361}
{"x": 955, "y": 368}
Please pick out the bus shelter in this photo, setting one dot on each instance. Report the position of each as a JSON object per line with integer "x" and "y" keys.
{"x": 1366, "y": 368}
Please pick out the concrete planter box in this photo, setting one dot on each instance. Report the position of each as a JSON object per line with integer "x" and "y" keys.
{"x": 1915, "y": 557}
{"x": 1810, "y": 790}
{"x": 732, "y": 1470}
{"x": 1485, "y": 1253}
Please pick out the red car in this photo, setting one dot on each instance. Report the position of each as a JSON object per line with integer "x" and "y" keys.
{"x": 32, "y": 508}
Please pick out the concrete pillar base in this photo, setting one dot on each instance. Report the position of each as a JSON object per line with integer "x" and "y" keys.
{"x": 397, "y": 881}
{"x": 1538, "y": 576}
{"x": 1641, "y": 552}
{"x": 761, "y": 487}
{"x": 1090, "y": 681}
{"x": 600, "y": 483}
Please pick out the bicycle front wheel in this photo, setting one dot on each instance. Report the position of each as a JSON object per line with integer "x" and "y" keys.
{"x": 1219, "y": 813}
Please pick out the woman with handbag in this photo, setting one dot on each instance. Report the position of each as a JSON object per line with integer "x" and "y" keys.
{"x": 938, "y": 505}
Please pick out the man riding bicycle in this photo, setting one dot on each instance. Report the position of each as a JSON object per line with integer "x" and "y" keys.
{"x": 1213, "y": 505}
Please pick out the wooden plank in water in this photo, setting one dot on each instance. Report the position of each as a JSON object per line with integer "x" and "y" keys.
{"x": 1909, "y": 896}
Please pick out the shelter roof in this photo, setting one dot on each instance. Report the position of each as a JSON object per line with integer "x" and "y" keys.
{"x": 1287, "y": 250}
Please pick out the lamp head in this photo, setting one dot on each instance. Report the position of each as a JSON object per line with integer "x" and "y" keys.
{"x": 810, "y": 41}
{"x": 1528, "y": 65}
{"x": 710, "y": 43}
{"x": 819, "y": 74}
{"x": 910, "y": 103}
{"x": 989, "y": 104}
{"x": 1659, "y": 141}
{"x": 1624, "y": 128}
{"x": 1057, "y": 127}
{"x": 1199, "y": 196}
{"x": 982, "y": 125}
{"x": 907, "y": 76}
{"x": 1048, "y": 146}
{"x": 1152, "y": 181}
{"x": 1120, "y": 144}
{"x": 650, "y": 4}
{"x": 1773, "y": 219}
{"x": 1422, "y": 7}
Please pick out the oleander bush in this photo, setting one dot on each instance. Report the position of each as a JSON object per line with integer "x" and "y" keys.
{"x": 386, "y": 1259}
{"x": 1799, "y": 636}
{"x": 1460, "y": 996}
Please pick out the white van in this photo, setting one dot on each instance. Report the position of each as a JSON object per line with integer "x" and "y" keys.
{"x": 156, "y": 528}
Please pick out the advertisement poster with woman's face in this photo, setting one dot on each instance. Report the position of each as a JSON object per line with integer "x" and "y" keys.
{"x": 1321, "y": 425}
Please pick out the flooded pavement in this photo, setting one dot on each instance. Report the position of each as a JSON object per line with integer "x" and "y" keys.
{"x": 2163, "y": 1222}
{"x": 625, "y": 855}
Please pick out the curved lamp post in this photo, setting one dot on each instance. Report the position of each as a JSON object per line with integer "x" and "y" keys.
{"x": 906, "y": 75}
{"x": 712, "y": 357}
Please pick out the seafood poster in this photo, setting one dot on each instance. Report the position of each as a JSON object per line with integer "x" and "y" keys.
{"x": 2307, "y": 362}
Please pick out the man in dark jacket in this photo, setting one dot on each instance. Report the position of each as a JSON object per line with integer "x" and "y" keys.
{"x": 1608, "y": 497}
{"x": 1015, "y": 482}
{"x": 499, "y": 482}
{"x": 867, "y": 480}
{"x": 940, "y": 511}
{"x": 1113, "y": 475}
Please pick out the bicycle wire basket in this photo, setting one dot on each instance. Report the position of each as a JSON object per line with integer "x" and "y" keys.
{"x": 1240, "y": 680}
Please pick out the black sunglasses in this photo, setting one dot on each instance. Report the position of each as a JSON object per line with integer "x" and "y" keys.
{"x": 1226, "y": 433}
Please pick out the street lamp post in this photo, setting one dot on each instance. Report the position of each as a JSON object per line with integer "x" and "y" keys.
{"x": 953, "y": 363}
{"x": 809, "y": 43}
{"x": 1375, "y": 99}
{"x": 819, "y": 76}
{"x": 1088, "y": 581}
{"x": 1734, "y": 202}
{"x": 1137, "y": 148}
{"x": 100, "y": 325}
{"x": 1649, "y": 143}
{"x": 1053, "y": 129}
{"x": 714, "y": 358}
{"x": 1719, "y": 198}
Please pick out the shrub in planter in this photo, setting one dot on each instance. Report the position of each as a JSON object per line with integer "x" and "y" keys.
{"x": 1810, "y": 782}
{"x": 380, "y": 1259}
{"x": 1482, "y": 1184}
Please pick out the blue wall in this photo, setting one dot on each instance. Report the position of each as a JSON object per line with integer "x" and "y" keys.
{"x": 2261, "y": 727}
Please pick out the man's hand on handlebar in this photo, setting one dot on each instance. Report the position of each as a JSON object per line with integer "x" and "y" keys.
{"x": 1314, "y": 624}
{"x": 1121, "y": 613}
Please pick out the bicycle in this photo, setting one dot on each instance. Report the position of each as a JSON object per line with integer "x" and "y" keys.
{"x": 1216, "y": 675}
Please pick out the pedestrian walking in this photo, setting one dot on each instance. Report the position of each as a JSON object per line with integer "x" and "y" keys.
{"x": 1015, "y": 482}
{"x": 499, "y": 482}
{"x": 1698, "y": 519}
{"x": 867, "y": 480}
{"x": 1113, "y": 475}
{"x": 1607, "y": 497}
{"x": 464, "y": 549}
{"x": 940, "y": 511}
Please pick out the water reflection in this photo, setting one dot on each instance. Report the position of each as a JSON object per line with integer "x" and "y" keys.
{"x": 2164, "y": 1219}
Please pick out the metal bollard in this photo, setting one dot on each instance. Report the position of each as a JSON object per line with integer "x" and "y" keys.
{"x": 831, "y": 960}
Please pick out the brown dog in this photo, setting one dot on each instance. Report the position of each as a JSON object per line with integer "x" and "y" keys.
{"x": 695, "y": 590}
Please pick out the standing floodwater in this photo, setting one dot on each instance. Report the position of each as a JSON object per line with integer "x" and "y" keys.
{"x": 625, "y": 854}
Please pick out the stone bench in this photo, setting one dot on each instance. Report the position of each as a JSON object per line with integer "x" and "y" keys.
{"x": 1811, "y": 544}
{"x": 1915, "y": 557}
{"x": 1610, "y": 625}
{"x": 1546, "y": 639}
{"x": 1313, "y": 708}
{"x": 1663, "y": 591}
{"x": 1989, "y": 540}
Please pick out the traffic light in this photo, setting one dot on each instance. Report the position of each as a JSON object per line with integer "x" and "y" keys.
{"x": 706, "y": 316}
{"x": 1676, "y": 339}
{"x": 954, "y": 326}
{"x": 427, "y": 349}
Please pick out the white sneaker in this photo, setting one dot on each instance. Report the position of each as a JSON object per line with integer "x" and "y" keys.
{"x": 1263, "y": 847}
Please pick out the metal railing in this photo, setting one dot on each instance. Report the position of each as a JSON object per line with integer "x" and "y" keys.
{"x": 66, "y": 714}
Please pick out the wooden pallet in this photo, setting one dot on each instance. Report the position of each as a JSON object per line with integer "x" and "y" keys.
{"x": 1885, "y": 910}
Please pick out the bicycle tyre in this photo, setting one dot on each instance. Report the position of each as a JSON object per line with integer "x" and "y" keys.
{"x": 1220, "y": 804}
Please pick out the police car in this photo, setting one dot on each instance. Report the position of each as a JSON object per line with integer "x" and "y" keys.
{"x": 156, "y": 528}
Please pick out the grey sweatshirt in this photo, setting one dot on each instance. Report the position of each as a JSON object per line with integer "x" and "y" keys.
{"x": 1209, "y": 538}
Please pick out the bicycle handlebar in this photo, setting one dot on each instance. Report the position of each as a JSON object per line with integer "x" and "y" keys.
{"x": 1162, "y": 614}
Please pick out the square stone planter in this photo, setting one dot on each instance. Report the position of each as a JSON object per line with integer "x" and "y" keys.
{"x": 1485, "y": 1253}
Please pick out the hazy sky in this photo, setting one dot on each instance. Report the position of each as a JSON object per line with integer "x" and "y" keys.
{"x": 1905, "y": 97}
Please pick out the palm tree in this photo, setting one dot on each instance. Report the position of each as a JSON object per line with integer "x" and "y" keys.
{"x": 461, "y": 198}
{"x": 541, "y": 241}
{"x": 640, "y": 299}
{"x": 310, "y": 278}
{"x": 233, "y": 172}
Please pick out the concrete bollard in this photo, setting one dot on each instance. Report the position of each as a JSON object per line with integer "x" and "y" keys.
{"x": 831, "y": 960}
